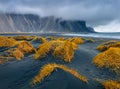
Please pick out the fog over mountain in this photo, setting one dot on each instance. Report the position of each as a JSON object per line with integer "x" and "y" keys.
{"x": 99, "y": 14}
{"x": 34, "y": 23}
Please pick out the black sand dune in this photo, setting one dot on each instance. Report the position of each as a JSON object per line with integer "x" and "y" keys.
{"x": 19, "y": 74}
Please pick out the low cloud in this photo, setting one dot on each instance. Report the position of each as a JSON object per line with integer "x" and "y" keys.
{"x": 95, "y": 13}
{"x": 113, "y": 26}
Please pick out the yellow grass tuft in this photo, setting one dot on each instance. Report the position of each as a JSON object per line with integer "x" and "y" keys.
{"x": 109, "y": 59}
{"x": 43, "y": 39}
{"x": 90, "y": 40}
{"x": 18, "y": 54}
{"x": 4, "y": 59}
{"x": 101, "y": 40}
{"x": 61, "y": 39}
{"x": 107, "y": 45}
{"x": 26, "y": 47}
{"x": 23, "y": 48}
{"x": 23, "y": 38}
{"x": 110, "y": 84}
{"x": 101, "y": 48}
{"x": 62, "y": 49}
{"x": 65, "y": 51}
{"x": 110, "y": 42}
{"x": 39, "y": 38}
{"x": 49, "y": 68}
{"x": 7, "y": 42}
{"x": 76, "y": 40}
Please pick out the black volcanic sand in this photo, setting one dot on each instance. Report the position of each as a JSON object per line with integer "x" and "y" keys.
{"x": 19, "y": 74}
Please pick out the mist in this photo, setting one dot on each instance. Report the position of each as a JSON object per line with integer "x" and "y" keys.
{"x": 102, "y": 14}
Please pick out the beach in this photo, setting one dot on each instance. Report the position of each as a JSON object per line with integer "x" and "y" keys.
{"x": 16, "y": 74}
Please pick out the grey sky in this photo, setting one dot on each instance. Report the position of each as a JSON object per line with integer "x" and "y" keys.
{"x": 95, "y": 12}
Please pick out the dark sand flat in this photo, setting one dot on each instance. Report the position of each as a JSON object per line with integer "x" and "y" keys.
{"x": 19, "y": 74}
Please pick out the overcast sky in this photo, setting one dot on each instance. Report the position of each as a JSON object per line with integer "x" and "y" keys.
{"x": 103, "y": 15}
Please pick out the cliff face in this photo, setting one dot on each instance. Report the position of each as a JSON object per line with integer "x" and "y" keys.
{"x": 34, "y": 23}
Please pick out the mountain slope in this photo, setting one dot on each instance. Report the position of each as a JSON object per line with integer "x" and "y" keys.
{"x": 34, "y": 23}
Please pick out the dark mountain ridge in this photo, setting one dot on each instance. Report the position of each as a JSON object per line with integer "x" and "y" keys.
{"x": 33, "y": 23}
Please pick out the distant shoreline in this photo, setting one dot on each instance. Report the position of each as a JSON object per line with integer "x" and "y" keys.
{"x": 86, "y": 35}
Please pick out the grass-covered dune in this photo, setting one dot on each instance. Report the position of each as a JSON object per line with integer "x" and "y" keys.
{"x": 54, "y": 62}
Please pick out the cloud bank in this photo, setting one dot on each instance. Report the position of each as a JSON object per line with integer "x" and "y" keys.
{"x": 101, "y": 14}
{"x": 113, "y": 26}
